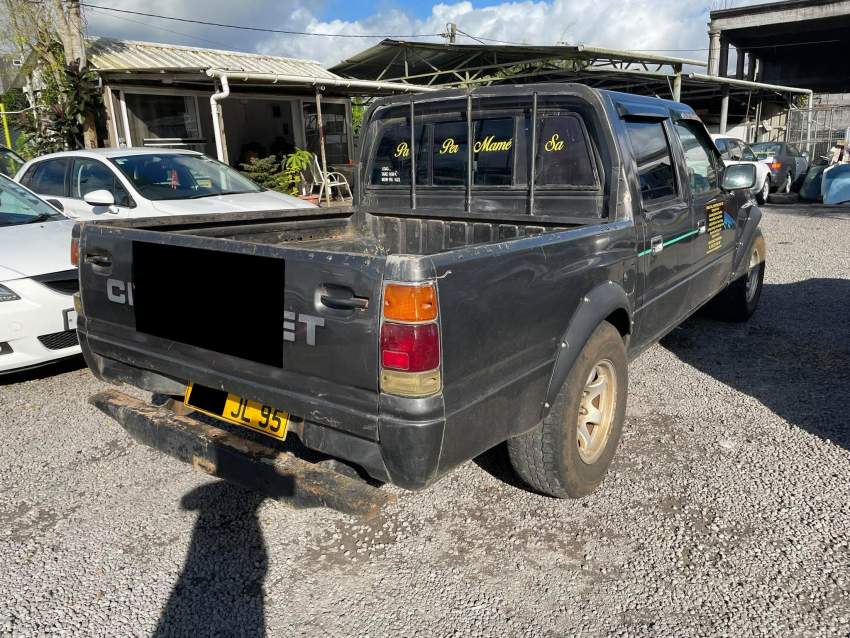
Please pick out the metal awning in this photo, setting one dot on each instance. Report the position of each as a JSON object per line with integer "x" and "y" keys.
{"x": 435, "y": 63}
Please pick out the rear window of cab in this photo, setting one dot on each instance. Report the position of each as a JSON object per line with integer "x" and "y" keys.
{"x": 501, "y": 151}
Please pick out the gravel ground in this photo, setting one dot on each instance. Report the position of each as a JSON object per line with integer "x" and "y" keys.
{"x": 725, "y": 513}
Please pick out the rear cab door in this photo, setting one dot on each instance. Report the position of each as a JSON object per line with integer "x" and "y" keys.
{"x": 667, "y": 218}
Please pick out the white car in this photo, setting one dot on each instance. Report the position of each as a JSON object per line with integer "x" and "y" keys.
{"x": 145, "y": 182}
{"x": 735, "y": 151}
{"x": 37, "y": 281}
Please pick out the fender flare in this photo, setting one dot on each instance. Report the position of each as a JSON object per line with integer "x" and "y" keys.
{"x": 596, "y": 306}
{"x": 752, "y": 233}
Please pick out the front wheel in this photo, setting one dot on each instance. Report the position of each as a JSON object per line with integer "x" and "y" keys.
{"x": 740, "y": 299}
{"x": 568, "y": 453}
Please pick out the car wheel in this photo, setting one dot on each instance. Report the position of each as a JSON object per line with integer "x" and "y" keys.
{"x": 740, "y": 299}
{"x": 568, "y": 453}
{"x": 764, "y": 193}
{"x": 786, "y": 186}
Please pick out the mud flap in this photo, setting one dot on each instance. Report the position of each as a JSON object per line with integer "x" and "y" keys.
{"x": 220, "y": 453}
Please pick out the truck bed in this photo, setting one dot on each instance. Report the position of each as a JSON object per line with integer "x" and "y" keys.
{"x": 344, "y": 230}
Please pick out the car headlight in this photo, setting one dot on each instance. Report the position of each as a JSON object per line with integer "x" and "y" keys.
{"x": 6, "y": 294}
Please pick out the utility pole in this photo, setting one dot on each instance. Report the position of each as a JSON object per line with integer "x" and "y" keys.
{"x": 450, "y": 33}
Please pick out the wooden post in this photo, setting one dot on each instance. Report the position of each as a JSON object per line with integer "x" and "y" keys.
{"x": 321, "y": 125}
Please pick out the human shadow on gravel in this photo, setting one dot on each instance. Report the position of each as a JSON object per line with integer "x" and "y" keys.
{"x": 220, "y": 590}
{"x": 793, "y": 355}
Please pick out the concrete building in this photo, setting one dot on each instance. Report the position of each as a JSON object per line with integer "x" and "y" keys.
{"x": 802, "y": 43}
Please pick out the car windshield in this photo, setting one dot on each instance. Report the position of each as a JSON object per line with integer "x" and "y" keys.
{"x": 178, "y": 176}
{"x": 19, "y": 206}
{"x": 766, "y": 149}
{"x": 10, "y": 162}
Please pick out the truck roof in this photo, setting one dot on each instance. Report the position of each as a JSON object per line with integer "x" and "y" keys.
{"x": 548, "y": 88}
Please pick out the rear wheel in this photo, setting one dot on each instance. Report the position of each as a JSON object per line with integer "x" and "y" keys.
{"x": 568, "y": 453}
{"x": 764, "y": 193}
{"x": 786, "y": 186}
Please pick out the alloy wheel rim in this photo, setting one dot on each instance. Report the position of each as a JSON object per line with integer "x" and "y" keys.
{"x": 765, "y": 190}
{"x": 752, "y": 275}
{"x": 596, "y": 411}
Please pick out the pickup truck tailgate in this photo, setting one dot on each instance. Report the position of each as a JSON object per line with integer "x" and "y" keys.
{"x": 287, "y": 326}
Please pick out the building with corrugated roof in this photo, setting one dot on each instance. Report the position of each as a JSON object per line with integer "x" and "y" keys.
{"x": 227, "y": 104}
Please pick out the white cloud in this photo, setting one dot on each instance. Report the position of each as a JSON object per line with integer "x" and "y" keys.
{"x": 677, "y": 25}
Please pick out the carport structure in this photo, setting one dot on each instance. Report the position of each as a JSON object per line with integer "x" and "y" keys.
{"x": 717, "y": 99}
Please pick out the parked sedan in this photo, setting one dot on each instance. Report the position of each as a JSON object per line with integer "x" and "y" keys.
{"x": 735, "y": 151}
{"x": 127, "y": 183}
{"x": 787, "y": 164}
{"x": 37, "y": 281}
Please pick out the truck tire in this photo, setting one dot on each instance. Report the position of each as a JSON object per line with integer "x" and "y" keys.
{"x": 740, "y": 299}
{"x": 568, "y": 453}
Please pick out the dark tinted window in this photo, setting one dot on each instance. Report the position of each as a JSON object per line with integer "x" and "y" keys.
{"x": 448, "y": 154}
{"x": 493, "y": 152}
{"x": 652, "y": 155}
{"x": 722, "y": 146}
{"x": 563, "y": 155}
{"x": 747, "y": 153}
{"x": 391, "y": 166}
{"x": 48, "y": 177}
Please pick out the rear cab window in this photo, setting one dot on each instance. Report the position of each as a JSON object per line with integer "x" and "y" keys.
{"x": 565, "y": 160}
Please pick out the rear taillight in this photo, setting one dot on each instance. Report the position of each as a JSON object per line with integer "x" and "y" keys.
{"x": 410, "y": 340}
{"x": 775, "y": 165}
{"x": 410, "y": 348}
{"x": 75, "y": 251}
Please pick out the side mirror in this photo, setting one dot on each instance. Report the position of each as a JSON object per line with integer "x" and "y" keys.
{"x": 100, "y": 197}
{"x": 739, "y": 176}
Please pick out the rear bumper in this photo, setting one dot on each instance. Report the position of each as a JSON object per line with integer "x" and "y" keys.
{"x": 405, "y": 451}
{"x": 220, "y": 453}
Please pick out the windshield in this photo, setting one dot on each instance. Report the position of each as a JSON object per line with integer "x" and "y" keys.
{"x": 19, "y": 206}
{"x": 10, "y": 162}
{"x": 766, "y": 149}
{"x": 176, "y": 176}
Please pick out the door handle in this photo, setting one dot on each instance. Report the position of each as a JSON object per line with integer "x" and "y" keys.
{"x": 345, "y": 303}
{"x": 656, "y": 244}
{"x": 701, "y": 226}
{"x": 99, "y": 260}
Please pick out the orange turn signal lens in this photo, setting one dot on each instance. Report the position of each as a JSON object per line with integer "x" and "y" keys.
{"x": 776, "y": 165}
{"x": 75, "y": 252}
{"x": 410, "y": 303}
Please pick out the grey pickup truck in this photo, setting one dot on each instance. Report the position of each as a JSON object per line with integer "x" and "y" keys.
{"x": 510, "y": 249}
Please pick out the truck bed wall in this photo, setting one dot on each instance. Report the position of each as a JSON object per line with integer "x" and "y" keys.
{"x": 373, "y": 234}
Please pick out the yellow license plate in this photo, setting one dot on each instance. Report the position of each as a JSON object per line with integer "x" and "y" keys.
{"x": 235, "y": 409}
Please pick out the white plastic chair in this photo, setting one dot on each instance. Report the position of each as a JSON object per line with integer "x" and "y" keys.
{"x": 326, "y": 182}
